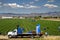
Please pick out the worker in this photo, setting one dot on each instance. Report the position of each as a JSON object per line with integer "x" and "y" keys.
{"x": 46, "y": 33}
{"x": 44, "y": 28}
{"x": 22, "y": 29}
{"x": 19, "y": 30}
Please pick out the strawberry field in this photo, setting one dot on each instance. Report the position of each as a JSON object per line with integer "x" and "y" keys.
{"x": 51, "y": 27}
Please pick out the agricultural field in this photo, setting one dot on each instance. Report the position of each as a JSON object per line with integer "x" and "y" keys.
{"x": 7, "y": 25}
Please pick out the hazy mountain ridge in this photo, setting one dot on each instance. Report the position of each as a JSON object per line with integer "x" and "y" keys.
{"x": 31, "y": 14}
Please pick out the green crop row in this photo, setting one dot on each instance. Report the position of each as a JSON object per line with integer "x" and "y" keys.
{"x": 7, "y": 25}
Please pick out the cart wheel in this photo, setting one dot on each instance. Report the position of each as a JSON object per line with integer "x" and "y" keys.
{"x": 9, "y": 36}
{"x": 32, "y": 36}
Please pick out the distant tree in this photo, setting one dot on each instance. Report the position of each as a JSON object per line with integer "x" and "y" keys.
{"x": 40, "y": 16}
{"x": 37, "y": 17}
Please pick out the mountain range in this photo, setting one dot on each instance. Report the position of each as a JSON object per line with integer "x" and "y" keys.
{"x": 53, "y": 14}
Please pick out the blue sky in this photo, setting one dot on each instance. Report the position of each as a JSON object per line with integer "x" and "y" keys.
{"x": 29, "y": 6}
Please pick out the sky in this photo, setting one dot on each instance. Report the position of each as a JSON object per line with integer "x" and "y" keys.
{"x": 29, "y": 6}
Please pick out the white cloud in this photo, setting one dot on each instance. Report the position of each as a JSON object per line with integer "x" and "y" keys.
{"x": 14, "y": 5}
{"x": 20, "y": 6}
{"x": 50, "y": 0}
{"x": 50, "y": 5}
{"x": 31, "y": 6}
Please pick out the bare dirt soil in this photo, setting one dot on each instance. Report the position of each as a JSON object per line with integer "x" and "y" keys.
{"x": 52, "y": 19}
{"x": 44, "y": 38}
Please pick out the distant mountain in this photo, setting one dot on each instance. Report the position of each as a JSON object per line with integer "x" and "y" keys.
{"x": 32, "y": 14}
{"x": 53, "y": 14}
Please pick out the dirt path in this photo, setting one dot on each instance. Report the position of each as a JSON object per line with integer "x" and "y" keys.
{"x": 52, "y": 38}
{"x": 45, "y": 38}
{"x": 52, "y": 19}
